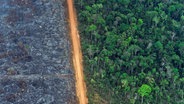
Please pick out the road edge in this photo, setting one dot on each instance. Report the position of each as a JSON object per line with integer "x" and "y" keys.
{"x": 77, "y": 55}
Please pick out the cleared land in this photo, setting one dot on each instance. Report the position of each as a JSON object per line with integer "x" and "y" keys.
{"x": 35, "y": 65}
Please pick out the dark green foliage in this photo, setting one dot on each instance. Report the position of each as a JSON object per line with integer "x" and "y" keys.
{"x": 133, "y": 50}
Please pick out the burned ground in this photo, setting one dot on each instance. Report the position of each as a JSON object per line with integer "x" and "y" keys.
{"x": 35, "y": 65}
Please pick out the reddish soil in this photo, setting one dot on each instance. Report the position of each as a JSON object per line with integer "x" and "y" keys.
{"x": 77, "y": 55}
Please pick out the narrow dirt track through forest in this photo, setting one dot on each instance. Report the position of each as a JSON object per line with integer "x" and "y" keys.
{"x": 77, "y": 55}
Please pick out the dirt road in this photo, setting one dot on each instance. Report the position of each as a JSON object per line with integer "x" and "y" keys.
{"x": 77, "y": 55}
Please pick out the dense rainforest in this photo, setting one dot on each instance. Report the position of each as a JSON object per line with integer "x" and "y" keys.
{"x": 133, "y": 50}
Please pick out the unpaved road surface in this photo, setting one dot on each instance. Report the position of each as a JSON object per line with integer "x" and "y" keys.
{"x": 35, "y": 50}
{"x": 77, "y": 55}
